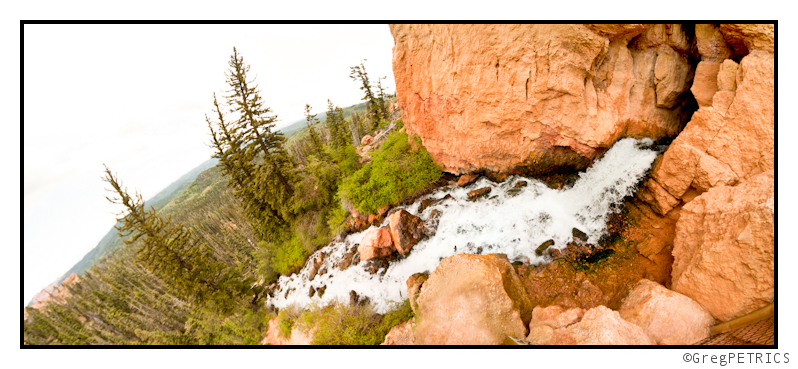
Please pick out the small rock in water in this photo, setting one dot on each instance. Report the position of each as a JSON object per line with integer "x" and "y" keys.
{"x": 473, "y": 195}
{"x": 467, "y": 179}
{"x": 543, "y": 246}
{"x": 321, "y": 290}
{"x": 520, "y": 184}
{"x": 312, "y": 291}
{"x": 579, "y": 235}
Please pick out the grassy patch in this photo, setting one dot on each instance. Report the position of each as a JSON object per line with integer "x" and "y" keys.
{"x": 342, "y": 324}
{"x": 397, "y": 170}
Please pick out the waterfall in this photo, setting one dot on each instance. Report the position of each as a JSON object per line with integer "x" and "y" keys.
{"x": 510, "y": 222}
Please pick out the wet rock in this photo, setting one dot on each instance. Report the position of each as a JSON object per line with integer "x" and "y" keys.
{"x": 431, "y": 224}
{"x": 406, "y": 230}
{"x": 520, "y": 184}
{"x": 431, "y": 202}
{"x": 467, "y": 179}
{"x": 579, "y": 235}
{"x": 598, "y": 326}
{"x": 668, "y": 317}
{"x": 414, "y": 284}
{"x": 543, "y": 247}
{"x": 349, "y": 257}
{"x": 383, "y": 210}
{"x": 317, "y": 262}
{"x": 375, "y": 265}
{"x": 472, "y": 299}
{"x": 320, "y": 291}
{"x": 496, "y": 176}
{"x": 311, "y": 291}
{"x": 724, "y": 248}
{"x": 473, "y": 195}
{"x": 376, "y": 243}
{"x": 355, "y": 299}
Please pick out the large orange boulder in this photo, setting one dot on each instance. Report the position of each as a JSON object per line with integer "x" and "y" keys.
{"x": 724, "y": 248}
{"x": 406, "y": 230}
{"x": 597, "y": 326}
{"x": 539, "y": 97}
{"x": 376, "y": 243}
{"x": 472, "y": 300}
{"x": 668, "y": 317}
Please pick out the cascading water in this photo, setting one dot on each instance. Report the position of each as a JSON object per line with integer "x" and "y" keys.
{"x": 513, "y": 224}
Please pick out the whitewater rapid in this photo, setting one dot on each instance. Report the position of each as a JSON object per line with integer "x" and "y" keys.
{"x": 511, "y": 223}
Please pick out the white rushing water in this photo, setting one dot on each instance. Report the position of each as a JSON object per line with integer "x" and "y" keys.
{"x": 513, "y": 225}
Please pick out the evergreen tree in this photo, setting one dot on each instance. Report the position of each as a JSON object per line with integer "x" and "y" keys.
{"x": 256, "y": 128}
{"x": 339, "y": 135}
{"x": 315, "y": 140}
{"x": 169, "y": 250}
{"x": 238, "y": 164}
{"x": 376, "y": 109}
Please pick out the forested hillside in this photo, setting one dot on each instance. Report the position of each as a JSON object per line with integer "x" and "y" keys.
{"x": 194, "y": 267}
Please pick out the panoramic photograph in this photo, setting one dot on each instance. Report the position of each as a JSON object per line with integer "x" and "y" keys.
{"x": 404, "y": 184}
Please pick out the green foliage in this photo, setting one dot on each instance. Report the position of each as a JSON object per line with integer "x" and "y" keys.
{"x": 336, "y": 220}
{"x": 285, "y": 255}
{"x": 397, "y": 170}
{"x": 343, "y": 324}
{"x": 384, "y": 123}
{"x": 285, "y": 320}
{"x": 400, "y": 124}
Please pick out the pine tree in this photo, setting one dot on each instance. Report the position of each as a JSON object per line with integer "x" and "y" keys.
{"x": 169, "y": 250}
{"x": 256, "y": 127}
{"x": 376, "y": 109}
{"x": 238, "y": 164}
{"x": 339, "y": 135}
{"x": 315, "y": 140}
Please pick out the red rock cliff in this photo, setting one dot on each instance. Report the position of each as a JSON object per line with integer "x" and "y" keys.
{"x": 499, "y": 97}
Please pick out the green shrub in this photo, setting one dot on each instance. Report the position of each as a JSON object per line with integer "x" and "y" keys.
{"x": 286, "y": 319}
{"x": 397, "y": 170}
{"x": 336, "y": 220}
{"x": 281, "y": 256}
{"x": 343, "y": 324}
{"x": 400, "y": 124}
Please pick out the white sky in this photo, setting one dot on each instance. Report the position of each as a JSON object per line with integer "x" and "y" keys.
{"x": 134, "y": 97}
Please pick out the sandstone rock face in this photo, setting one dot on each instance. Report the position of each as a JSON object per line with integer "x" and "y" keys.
{"x": 298, "y": 337}
{"x": 376, "y": 243}
{"x": 728, "y": 141}
{"x": 406, "y": 230}
{"x": 748, "y": 37}
{"x": 705, "y": 83}
{"x": 472, "y": 299}
{"x": 401, "y": 334}
{"x": 724, "y": 248}
{"x": 711, "y": 44}
{"x": 598, "y": 326}
{"x": 414, "y": 284}
{"x": 668, "y": 317}
{"x": 538, "y": 97}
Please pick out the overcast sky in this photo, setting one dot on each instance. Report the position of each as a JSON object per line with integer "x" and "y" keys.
{"x": 134, "y": 97}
